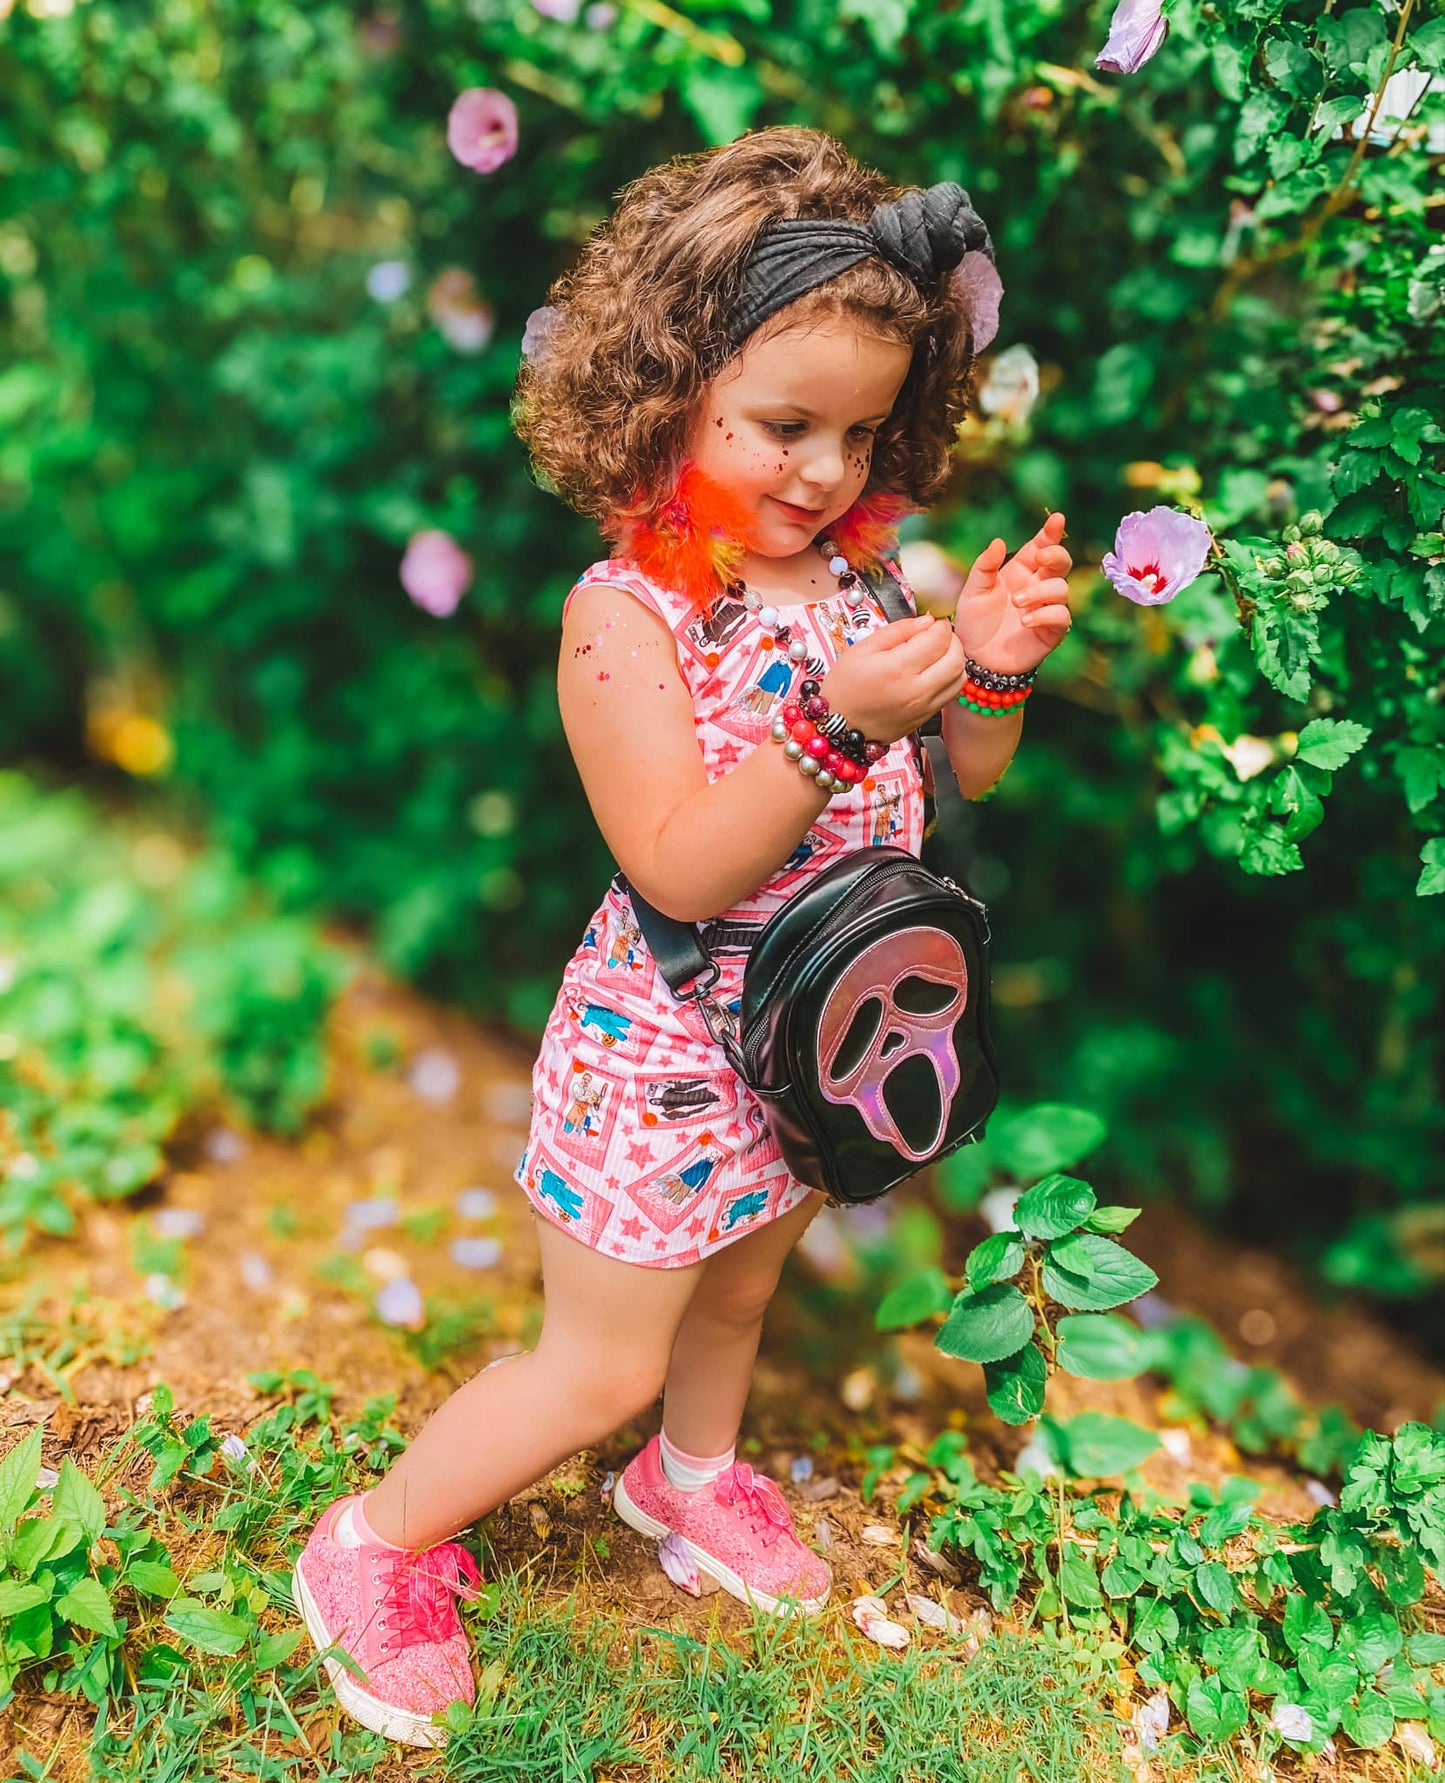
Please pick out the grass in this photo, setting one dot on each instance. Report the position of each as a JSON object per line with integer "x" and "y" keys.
{"x": 208, "y": 1676}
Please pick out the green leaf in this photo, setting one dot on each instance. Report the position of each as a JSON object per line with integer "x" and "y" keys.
{"x": 885, "y": 20}
{"x": 919, "y": 1297}
{"x": 1426, "y": 1649}
{"x": 152, "y": 1578}
{"x": 87, "y": 1605}
{"x": 1078, "y": 1582}
{"x": 1214, "y": 1711}
{"x": 1015, "y": 1386}
{"x": 1047, "y": 1137}
{"x": 1054, "y": 1206}
{"x": 75, "y": 1501}
{"x": 987, "y": 1326}
{"x": 1000, "y": 1256}
{"x": 1096, "y": 1444}
{"x": 1330, "y": 742}
{"x": 213, "y": 1631}
{"x": 1098, "y": 1346}
{"x": 16, "y": 1596}
{"x": 1432, "y": 879}
{"x": 1112, "y": 1220}
{"x": 1090, "y": 1273}
{"x": 19, "y": 1472}
{"x": 1369, "y": 1720}
{"x": 1372, "y": 1640}
{"x": 275, "y": 1649}
{"x": 1214, "y": 1586}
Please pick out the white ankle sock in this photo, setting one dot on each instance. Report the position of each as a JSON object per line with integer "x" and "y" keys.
{"x": 689, "y": 1473}
{"x": 345, "y": 1531}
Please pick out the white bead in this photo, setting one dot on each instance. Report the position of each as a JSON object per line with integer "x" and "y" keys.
{"x": 809, "y": 764}
{"x": 837, "y": 565}
{"x": 752, "y": 600}
{"x": 797, "y": 651}
{"x": 768, "y": 616}
{"x": 780, "y": 730}
{"x": 792, "y": 749}
{"x": 826, "y": 780}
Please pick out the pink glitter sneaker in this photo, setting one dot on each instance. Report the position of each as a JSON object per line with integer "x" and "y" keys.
{"x": 739, "y": 1530}
{"x": 393, "y": 1612}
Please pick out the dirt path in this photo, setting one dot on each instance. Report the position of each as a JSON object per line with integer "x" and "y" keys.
{"x": 448, "y": 1117}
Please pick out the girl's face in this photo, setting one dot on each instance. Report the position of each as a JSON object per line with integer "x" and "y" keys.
{"x": 788, "y": 424}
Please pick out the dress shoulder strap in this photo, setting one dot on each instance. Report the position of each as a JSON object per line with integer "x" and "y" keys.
{"x": 617, "y": 572}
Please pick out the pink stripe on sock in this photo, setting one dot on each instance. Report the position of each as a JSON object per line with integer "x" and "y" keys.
{"x": 683, "y": 1459}
{"x": 363, "y": 1528}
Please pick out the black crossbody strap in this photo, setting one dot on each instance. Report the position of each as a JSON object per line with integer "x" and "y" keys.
{"x": 677, "y": 946}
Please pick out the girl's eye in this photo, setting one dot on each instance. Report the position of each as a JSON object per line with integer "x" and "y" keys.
{"x": 786, "y": 430}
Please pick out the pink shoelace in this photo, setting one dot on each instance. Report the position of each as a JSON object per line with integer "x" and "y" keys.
{"x": 419, "y": 1595}
{"x": 755, "y": 1496}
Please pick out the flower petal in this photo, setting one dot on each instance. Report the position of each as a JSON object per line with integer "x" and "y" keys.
{"x": 482, "y": 129}
{"x": 1136, "y": 31}
{"x": 675, "y": 1559}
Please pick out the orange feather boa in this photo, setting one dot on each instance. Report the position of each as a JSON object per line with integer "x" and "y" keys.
{"x": 696, "y": 539}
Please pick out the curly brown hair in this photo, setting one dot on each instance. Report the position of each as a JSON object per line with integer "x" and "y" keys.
{"x": 642, "y": 325}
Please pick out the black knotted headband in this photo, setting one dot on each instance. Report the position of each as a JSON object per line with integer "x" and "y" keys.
{"x": 924, "y": 234}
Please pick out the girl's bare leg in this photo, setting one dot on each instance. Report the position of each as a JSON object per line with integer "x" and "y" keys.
{"x": 607, "y": 1331}
{"x": 717, "y": 1341}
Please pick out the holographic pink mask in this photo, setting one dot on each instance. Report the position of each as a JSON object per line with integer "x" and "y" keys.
{"x": 876, "y": 975}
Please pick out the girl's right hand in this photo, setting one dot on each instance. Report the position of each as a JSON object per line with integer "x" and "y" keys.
{"x": 893, "y": 679}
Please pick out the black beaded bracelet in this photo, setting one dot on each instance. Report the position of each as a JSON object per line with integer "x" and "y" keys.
{"x": 996, "y": 683}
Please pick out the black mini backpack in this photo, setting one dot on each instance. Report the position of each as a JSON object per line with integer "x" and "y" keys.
{"x": 864, "y": 1025}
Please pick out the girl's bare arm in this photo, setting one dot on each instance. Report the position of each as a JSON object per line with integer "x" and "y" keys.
{"x": 692, "y": 848}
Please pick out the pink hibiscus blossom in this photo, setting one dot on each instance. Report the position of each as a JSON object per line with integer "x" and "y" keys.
{"x": 435, "y": 572}
{"x": 1156, "y": 555}
{"x": 1135, "y": 32}
{"x": 975, "y": 279}
{"x": 482, "y": 129}
{"x": 461, "y": 313}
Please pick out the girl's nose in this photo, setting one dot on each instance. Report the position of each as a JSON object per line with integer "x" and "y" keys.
{"x": 824, "y": 467}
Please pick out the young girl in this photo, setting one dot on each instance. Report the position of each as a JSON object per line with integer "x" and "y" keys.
{"x": 757, "y": 366}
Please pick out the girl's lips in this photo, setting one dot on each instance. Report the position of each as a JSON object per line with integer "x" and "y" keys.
{"x": 796, "y": 513}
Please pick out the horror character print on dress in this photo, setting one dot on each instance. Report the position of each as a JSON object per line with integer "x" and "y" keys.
{"x": 644, "y": 1142}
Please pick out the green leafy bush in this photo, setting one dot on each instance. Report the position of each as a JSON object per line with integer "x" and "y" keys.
{"x": 138, "y": 989}
{"x": 215, "y": 443}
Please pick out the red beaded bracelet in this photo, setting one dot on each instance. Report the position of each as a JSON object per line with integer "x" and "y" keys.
{"x": 989, "y": 702}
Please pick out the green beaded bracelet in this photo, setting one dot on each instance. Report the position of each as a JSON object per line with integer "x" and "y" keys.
{"x": 991, "y": 711}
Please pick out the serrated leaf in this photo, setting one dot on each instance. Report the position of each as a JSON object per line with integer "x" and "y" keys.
{"x": 1078, "y": 1582}
{"x": 999, "y": 1257}
{"x": 987, "y": 1326}
{"x": 1094, "y": 1445}
{"x": 1432, "y": 878}
{"x": 1047, "y": 1137}
{"x": 1089, "y": 1273}
{"x": 19, "y": 1472}
{"x": 1098, "y": 1347}
{"x": 17, "y": 1596}
{"x": 1214, "y": 1586}
{"x": 87, "y": 1605}
{"x": 213, "y": 1631}
{"x": 1330, "y": 742}
{"x": 1111, "y": 1221}
{"x": 1015, "y": 1386}
{"x": 919, "y": 1297}
{"x": 152, "y": 1578}
{"x": 1054, "y": 1206}
{"x": 76, "y": 1501}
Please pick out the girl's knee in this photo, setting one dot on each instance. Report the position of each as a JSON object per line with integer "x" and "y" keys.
{"x": 609, "y": 1390}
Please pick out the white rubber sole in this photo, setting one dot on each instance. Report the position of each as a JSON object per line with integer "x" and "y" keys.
{"x": 392, "y": 1723}
{"x": 710, "y": 1567}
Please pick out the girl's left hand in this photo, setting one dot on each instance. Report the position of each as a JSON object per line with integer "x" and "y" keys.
{"x": 1011, "y": 615}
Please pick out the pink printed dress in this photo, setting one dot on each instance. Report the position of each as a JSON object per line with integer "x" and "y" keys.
{"x": 644, "y": 1142}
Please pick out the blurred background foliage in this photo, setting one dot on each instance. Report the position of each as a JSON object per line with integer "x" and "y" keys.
{"x": 258, "y": 328}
